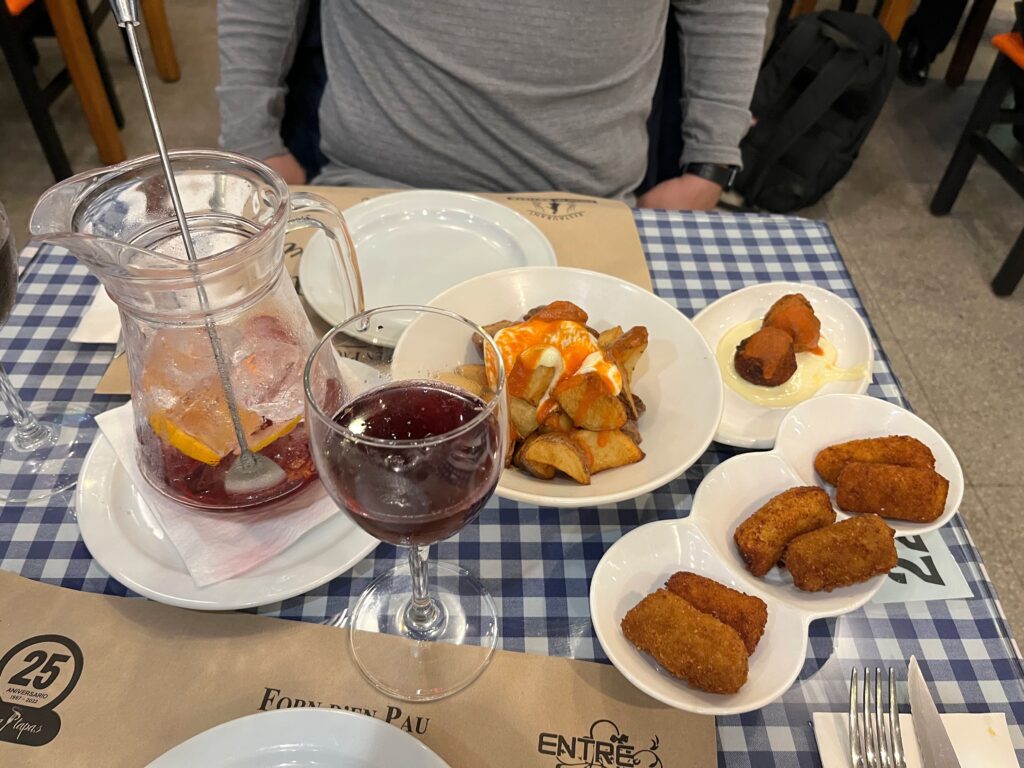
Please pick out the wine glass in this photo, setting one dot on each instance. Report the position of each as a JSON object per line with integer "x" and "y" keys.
{"x": 411, "y": 445}
{"x": 40, "y": 447}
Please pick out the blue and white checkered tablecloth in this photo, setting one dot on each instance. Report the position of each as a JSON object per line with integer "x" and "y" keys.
{"x": 538, "y": 562}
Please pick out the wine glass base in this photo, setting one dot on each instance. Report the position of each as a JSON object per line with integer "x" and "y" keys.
{"x": 460, "y": 643}
{"x": 36, "y": 473}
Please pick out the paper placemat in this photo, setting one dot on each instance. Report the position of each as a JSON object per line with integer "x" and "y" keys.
{"x": 88, "y": 680}
{"x": 586, "y": 232}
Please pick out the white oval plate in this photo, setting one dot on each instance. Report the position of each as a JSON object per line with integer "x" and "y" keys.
{"x": 301, "y": 738}
{"x": 748, "y": 425}
{"x": 677, "y": 378}
{"x": 824, "y": 421}
{"x": 125, "y": 538}
{"x": 413, "y": 245}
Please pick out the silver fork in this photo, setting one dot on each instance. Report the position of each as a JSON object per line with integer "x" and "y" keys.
{"x": 875, "y": 738}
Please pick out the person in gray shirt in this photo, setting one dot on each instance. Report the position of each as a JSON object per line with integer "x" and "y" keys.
{"x": 496, "y": 95}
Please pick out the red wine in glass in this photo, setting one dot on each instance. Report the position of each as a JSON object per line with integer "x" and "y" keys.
{"x": 414, "y": 492}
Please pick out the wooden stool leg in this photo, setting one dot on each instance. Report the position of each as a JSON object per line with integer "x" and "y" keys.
{"x": 1012, "y": 271}
{"x": 894, "y": 15}
{"x": 800, "y": 7}
{"x": 74, "y": 43}
{"x": 974, "y": 28}
{"x": 984, "y": 113}
{"x": 160, "y": 40}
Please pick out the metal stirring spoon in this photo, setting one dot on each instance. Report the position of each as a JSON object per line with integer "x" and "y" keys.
{"x": 251, "y": 472}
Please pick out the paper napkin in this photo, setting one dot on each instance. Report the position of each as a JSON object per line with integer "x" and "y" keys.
{"x": 979, "y": 740}
{"x": 101, "y": 322}
{"x": 216, "y": 546}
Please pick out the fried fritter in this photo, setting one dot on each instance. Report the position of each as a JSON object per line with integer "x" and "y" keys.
{"x": 744, "y": 613}
{"x": 903, "y": 493}
{"x": 762, "y": 536}
{"x": 689, "y": 644}
{"x": 766, "y": 358}
{"x": 895, "y": 449}
{"x": 794, "y": 314}
{"x": 846, "y": 553}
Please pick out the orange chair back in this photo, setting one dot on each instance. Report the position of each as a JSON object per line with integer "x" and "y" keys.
{"x": 17, "y": 6}
{"x": 1012, "y": 45}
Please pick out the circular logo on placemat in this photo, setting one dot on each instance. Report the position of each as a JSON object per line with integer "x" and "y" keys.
{"x": 554, "y": 208}
{"x": 35, "y": 676}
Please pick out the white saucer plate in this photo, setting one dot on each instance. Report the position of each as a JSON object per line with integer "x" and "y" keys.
{"x": 413, "y": 245}
{"x": 747, "y": 425}
{"x": 301, "y": 738}
{"x": 677, "y": 377}
{"x": 124, "y": 537}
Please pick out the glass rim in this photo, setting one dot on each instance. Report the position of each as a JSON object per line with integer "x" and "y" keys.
{"x": 321, "y": 415}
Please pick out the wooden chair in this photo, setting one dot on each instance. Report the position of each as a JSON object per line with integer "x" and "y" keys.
{"x": 75, "y": 25}
{"x": 1007, "y": 71}
{"x": 891, "y": 14}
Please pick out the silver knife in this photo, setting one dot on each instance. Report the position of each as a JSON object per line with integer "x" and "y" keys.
{"x": 932, "y": 740}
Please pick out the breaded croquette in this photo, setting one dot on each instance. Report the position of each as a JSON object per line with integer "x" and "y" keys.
{"x": 794, "y": 314}
{"x": 689, "y": 644}
{"x": 766, "y": 358}
{"x": 744, "y": 613}
{"x": 895, "y": 449}
{"x": 846, "y": 553}
{"x": 903, "y": 493}
{"x": 762, "y": 536}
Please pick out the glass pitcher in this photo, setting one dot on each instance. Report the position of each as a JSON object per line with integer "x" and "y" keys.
{"x": 120, "y": 223}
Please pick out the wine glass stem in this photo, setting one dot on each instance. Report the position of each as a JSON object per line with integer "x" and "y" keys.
{"x": 30, "y": 434}
{"x": 422, "y": 615}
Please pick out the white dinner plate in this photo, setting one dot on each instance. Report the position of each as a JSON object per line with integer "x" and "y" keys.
{"x": 413, "y": 245}
{"x": 124, "y": 537}
{"x": 677, "y": 377}
{"x": 825, "y": 421}
{"x": 301, "y": 738}
{"x": 747, "y": 425}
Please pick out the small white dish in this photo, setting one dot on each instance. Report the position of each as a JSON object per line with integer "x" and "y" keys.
{"x": 748, "y": 425}
{"x": 642, "y": 561}
{"x": 825, "y": 421}
{"x": 124, "y": 537}
{"x": 413, "y": 245}
{"x": 677, "y": 377}
{"x": 301, "y": 738}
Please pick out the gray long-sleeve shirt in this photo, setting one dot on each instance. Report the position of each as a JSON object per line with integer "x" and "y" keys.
{"x": 492, "y": 95}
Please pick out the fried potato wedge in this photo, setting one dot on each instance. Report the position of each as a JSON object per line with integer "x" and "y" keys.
{"x": 529, "y": 383}
{"x": 462, "y": 382}
{"x": 589, "y": 404}
{"x": 606, "y": 338}
{"x": 632, "y": 431}
{"x": 558, "y": 450}
{"x": 523, "y": 416}
{"x": 627, "y": 350}
{"x": 558, "y": 310}
{"x": 473, "y": 372}
{"x": 556, "y": 421}
{"x": 543, "y": 471}
{"x": 608, "y": 449}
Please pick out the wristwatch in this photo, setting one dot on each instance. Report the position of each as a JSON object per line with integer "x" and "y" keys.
{"x": 723, "y": 175}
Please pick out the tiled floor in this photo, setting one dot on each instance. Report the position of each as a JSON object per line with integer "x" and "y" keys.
{"x": 958, "y": 349}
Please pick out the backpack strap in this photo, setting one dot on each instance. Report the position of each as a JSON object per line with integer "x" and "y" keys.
{"x": 831, "y": 82}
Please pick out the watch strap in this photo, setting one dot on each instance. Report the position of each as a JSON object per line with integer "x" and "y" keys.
{"x": 723, "y": 175}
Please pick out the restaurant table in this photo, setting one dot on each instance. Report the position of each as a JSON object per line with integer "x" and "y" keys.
{"x": 538, "y": 562}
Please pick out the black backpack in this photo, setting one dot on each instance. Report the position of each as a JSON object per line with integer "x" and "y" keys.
{"x": 822, "y": 85}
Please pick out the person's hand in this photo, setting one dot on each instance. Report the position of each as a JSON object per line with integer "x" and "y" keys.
{"x": 288, "y": 168}
{"x": 687, "y": 193}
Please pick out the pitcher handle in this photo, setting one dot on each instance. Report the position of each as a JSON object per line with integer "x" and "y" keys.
{"x": 311, "y": 210}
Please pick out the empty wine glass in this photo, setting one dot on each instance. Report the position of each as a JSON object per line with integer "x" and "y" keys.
{"x": 41, "y": 446}
{"x": 409, "y": 437}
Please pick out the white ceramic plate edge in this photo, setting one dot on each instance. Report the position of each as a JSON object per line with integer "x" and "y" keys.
{"x": 256, "y": 732}
{"x": 104, "y": 541}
